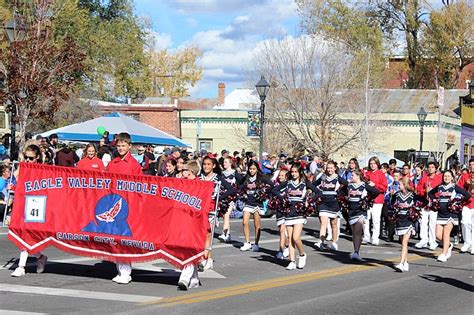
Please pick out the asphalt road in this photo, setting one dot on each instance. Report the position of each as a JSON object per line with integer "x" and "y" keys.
{"x": 248, "y": 282}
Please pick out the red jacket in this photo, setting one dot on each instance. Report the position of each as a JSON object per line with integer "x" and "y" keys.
{"x": 127, "y": 165}
{"x": 467, "y": 182}
{"x": 427, "y": 183}
{"x": 380, "y": 181}
{"x": 94, "y": 164}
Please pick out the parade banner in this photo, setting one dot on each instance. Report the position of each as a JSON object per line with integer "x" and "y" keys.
{"x": 115, "y": 217}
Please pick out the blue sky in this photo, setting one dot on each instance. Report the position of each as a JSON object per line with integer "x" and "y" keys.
{"x": 227, "y": 31}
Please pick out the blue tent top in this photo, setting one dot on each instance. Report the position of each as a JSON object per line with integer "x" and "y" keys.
{"x": 116, "y": 123}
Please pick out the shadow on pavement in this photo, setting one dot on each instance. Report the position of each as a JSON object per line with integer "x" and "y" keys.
{"x": 453, "y": 282}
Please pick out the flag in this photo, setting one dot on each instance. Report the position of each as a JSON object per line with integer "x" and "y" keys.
{"x": 115, "y": 217}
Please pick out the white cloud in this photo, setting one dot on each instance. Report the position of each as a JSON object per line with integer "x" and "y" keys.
{"x": 228, "y": 53}
{"x": 162, "y": 41}
{"x": 199, "y": 6}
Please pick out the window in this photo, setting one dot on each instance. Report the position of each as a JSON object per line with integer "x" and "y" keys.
{"x": 205, "y": 144}
{"x": 466, "y": 151}
{"x": 2, "y": 120}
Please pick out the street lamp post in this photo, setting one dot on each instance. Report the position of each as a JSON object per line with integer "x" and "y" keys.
{"x": 421, "y": 119}
{"x": 14, "y": 33}
{"x": 262, "y": 89}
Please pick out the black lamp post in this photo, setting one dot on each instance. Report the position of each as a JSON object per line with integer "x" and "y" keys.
{"x": 421, "y": 119}
{"x": 14, "y": 32}
{"x": 262, "y": 89}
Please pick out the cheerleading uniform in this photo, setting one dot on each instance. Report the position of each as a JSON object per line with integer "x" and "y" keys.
{"x": 278, "y": 191}
{"x": 252, "y": 204}
{"x": 328, "y": 187}
{"x": 225, "y": 189}
{"x": 296, "y": 194}
{"x": 356, "y": 192}
{"x": 445, "y": 193}
{"x": 233, "y": 178}
{"x": 403, "y": 203}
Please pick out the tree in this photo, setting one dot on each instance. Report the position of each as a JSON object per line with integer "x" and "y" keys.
{"x": 318, "y": 93}
{"x": 40, "y": 73}
{"x": 173, "y": 73}
{"x": 448, "y": 44}
{"x": 348, "y": 24}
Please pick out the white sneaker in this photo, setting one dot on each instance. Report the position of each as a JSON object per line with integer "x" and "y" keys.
{"x": 194, "y": 284}
{"x": 365, "y": 241}
{"x": 301, "y": 262}
{"x": 434, "y": 246}
{"x": 334, "y": 246}
{"x": 442, "y": 258}
{"x": 183, "y": 285}
{"x": 221, "y": 238}
{"x": 227, "y": 238}
{"x": 246, "y": 247}
{"x": 19, "y": 272}
{"x": 291, "y": 266}
{"x": 286, "y": 252}
{"x": 421, "y": 244}
{"x": 356, "y": 256}
{"x": 405, "y": 266}
{"x": 375, "y": 242}
{"x": 122, "y": 279}
{"x": 472, "y": 250}
{"x": 320, "y": 245}
{"x": 41, "y": 263}
{"x": 209, "y": 264}
{"x": 450, "y": 249}
{"x": 255, "y": 248}
{"x": 400, "y": 267}
{"x": 279, "y": 255}
{"x": 329, "y": 238}
{"x": 465, "y": 248}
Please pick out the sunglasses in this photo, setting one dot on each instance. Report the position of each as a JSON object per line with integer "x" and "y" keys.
{"x": 30, "y": 158}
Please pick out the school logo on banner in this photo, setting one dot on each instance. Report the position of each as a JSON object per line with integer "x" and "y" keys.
{"x": 111, "y": 214}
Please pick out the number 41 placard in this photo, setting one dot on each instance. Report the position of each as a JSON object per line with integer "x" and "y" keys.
{"x": 35, "y": 208}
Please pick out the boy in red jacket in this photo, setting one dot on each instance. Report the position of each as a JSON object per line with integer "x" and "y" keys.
{"x": 467, "y": 222}
{"x": 375, "y": 178}
{"x": 125, "y": 163}
{"x": 428, "y": 217}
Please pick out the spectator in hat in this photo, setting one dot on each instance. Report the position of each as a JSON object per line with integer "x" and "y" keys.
{"x": 54, "y": 142}
{"x": 161, "y": 162}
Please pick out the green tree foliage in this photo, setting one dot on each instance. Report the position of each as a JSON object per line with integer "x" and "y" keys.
{"x": 448, "y": 44}
{"x": 348, "y": 24}
{"x": 172, "y": 73}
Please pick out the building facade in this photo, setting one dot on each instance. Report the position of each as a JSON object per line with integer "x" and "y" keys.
{"x": 466, "y": 110}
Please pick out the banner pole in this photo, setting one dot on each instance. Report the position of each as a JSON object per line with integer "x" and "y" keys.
{"x": 214, "y": 213}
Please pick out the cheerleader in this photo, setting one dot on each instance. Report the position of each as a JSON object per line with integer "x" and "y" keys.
{"x": 211, "y": 171}
{"x": 444, "y": 194}
{"x": 253, "y": 182}
{"x": 328, "y": 185}
{"x": 280, "y": 219}
{"x": 356, "y": 191}
{"x": 296, "y": 191}
{"x": 403, "y": 202}
{"x": 232, "y": 178}
{"x": 467, "y": 222}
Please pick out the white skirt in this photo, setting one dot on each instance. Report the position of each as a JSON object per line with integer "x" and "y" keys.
{"x": 354, "y": 220}
{"x": 404, "y": 230}
{"x": 253, "y": 210}
{"x": 444, "y": 221}
{"x": 330, "y": 214}
{"x": 280, "y": 221}
{"x": 290, "y": 222}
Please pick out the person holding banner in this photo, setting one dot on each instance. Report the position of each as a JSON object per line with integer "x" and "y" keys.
{"x": 90, "y": 161}
{"x": 125, "y": 163}
{"x": 189, "y": 277}
{"x": 32, "y": 154}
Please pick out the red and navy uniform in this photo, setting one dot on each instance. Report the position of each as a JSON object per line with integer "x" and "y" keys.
{"x": 296, "y": 194}
{"x": 402, "y": 203}
{"x": 250, "y": 185}
{"x": 444, "y": 193}
{"x": 355, "y": 192}
{"x": 327, "y": 189}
